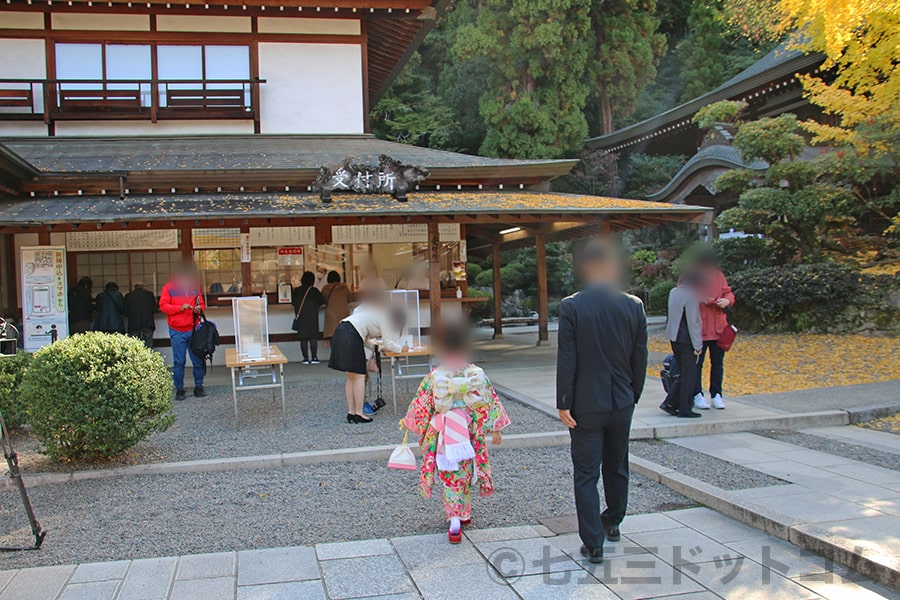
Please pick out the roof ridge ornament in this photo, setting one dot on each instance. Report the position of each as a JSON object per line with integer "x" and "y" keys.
{"x": 390, "y": 176}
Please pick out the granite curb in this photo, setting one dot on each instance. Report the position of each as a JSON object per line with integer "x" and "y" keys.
{"x": 839, "y": 549}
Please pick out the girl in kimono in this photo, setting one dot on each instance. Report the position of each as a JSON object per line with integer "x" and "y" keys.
{"x": 454, "y": 409}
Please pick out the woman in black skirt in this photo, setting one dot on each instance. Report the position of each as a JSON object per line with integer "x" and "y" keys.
{"x": 352, "y": 338}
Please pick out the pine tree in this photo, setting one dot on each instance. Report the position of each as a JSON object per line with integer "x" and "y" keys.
{"x": 533, "y": 104}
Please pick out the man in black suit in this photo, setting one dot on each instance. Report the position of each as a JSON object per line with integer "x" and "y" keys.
{"x": 140, "y": 309}
{"x": 600, "y": 372}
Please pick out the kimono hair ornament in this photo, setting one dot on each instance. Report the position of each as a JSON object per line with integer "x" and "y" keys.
{"x": 402, "y": 457}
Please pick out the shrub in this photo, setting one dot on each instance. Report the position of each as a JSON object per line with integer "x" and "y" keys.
{"x": 472, "y": 271}
{"x": 658, "y": 299}
{"x": 485, "y": 279}
{"x": 741, "y": 254}
{"x": 95, "y": 395}
{"x": 12, "y": 369}
{"x": 793, "y": 298}
{"x": 480, "y": 310}
{"x": 724, "y": 111}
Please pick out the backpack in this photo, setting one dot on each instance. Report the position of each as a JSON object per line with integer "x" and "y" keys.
{"x": 204, "y": 339}
{"x": 670, "y": 373}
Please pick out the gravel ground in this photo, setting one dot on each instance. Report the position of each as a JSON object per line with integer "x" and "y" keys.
{"x": 886, "y": 424}
{"x": 133, "y": 517}
{"x": 714, "y": 471}
{"x": 316, "y": 420}
{"x": 870, "y": 456}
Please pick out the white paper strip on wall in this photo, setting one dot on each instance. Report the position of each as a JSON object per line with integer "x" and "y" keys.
{"x": 262, "y": 237}
{"x": 222, "y": 237}
{"x": 449, "y": 232}
{"x": 140, "y": 239}
{"x": 375, "y": 234}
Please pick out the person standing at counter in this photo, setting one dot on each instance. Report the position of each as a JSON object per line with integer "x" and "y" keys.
{"x": 182, "y": 301}
{"x": 306, "y": 300}
{"x": 337, "y": 303}
{"x": 354, "y": 342}
{"x": 140, "y": 304}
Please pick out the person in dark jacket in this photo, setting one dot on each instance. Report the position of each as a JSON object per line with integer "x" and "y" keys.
{"x": 81, "y": 305}
{"x": 306, "y": 300}
{"x": 110, "y": 310}
{"x": 600, "y": 372}
{"x": 140, "y": 305}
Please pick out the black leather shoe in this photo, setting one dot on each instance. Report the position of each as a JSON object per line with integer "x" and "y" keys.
{"x": 669, "y": 409}
{"x": 594, "y": 556}
{"x": 199, "y": 392}
{"x": 180, "y": 395}
{"x": 613, "y": 534}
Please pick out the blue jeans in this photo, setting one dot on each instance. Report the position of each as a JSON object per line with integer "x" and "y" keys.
{"x": 181, "y": 345}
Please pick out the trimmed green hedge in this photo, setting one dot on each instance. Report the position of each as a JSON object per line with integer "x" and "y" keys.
{"x": 795, "y": 298}
{"x": 12, "y": 370}
{"x": 658, "y": 298}
{"x": 95, "y": 395}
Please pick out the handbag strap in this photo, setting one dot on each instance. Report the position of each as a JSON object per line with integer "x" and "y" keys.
{"x": 302, "y": 302}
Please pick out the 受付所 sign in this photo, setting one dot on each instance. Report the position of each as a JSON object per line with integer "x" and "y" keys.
{"x": 388, "y": 177}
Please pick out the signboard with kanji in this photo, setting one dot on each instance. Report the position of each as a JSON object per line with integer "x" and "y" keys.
{"x": 44, "y": 295}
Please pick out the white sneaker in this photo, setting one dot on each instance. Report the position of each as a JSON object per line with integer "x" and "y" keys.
{"x": 700, "y": 402}
{"x": 717, "y": 402}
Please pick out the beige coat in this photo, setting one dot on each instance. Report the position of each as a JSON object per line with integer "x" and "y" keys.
{"x": 337, "y": 307}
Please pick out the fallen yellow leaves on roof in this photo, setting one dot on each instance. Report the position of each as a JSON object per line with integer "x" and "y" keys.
{"x": 762, "y": 364}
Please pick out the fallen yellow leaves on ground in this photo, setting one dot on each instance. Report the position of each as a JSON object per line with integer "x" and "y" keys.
{"x": 888, "y": 424}
{"x": 762, "y": 364}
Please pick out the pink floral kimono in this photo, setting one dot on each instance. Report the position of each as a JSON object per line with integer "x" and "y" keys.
{"x": 452, "y": 412}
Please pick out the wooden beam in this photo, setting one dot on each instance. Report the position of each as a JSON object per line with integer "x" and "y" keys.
{"x": 540, "y": 241}
{"x": 498, "y": 299}
{"x": 434, "y": 269}
{"x": 246, "y": 272}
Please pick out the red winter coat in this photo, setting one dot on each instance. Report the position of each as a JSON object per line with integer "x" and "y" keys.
{"x": 712, "y": 317}
{"x": 171, "y": 301}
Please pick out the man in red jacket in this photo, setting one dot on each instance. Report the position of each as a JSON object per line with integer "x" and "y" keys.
{"x": 182, "y": 300}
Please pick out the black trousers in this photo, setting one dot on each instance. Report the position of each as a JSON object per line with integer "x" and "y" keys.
{"x": 144, "y": 334}
{"x": 600, "y": 447}
{"x": 716, "y": 368}
{"x": 308, "y": 345}
{"x": 681, "y": 394}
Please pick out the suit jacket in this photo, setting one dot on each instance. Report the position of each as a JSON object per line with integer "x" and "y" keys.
{"x": 601, "y": 361}
{"x": 140, "y": 304}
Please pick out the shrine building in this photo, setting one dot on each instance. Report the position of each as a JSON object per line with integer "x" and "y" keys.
{"x": 135, "y": 135}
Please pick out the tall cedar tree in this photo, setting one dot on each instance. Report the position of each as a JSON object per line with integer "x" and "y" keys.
{"x": 702, "y": 50}
{"x": 533, "y": 105}
{"x": 627, "y": 47}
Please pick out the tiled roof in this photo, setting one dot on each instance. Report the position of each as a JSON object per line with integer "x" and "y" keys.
{"x": 16, "y": 211}
{"x": 239, "y": 152}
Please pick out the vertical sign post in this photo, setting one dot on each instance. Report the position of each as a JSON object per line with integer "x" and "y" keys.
{"x": 44, "y": 295}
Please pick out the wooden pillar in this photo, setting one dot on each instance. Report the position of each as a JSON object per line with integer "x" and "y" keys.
{"x": 434, "y": 270}
{"x": 44, "y": 237}
{"x": 246, "y": 272}
{"x": 605, "y": 227}
{"x": 498, "y": 299}
{"x": 543, "y": 308}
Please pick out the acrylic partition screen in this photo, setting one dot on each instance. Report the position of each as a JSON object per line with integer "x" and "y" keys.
{"x": 251, "y": 327}
{"x": 406, "y": 316}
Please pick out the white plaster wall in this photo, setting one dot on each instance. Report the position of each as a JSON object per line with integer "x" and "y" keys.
{"x": 311, "y": 88}
{"x": 20, "y": 240}
{"x": 101, "y": 128}
{"x": 100, "y": 22}
{"x": 204, "y": 23}
{"x": 22, "y": 20}
{"x": 310, "y": 26}
{"x": 23, "y": 129}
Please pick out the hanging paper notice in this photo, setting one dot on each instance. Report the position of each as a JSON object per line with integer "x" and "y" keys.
{"x": 44, "y": 301}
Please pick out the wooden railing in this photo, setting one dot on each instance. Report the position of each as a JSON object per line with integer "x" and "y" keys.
{"x": 86, "y": 99}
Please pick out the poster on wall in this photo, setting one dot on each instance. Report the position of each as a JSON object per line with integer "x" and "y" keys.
{"x": 44, "y": 290}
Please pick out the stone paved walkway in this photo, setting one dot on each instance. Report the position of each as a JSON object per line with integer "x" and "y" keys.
{"x": 829, "y": 496}
{"x": 693, "y": 554}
